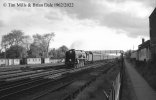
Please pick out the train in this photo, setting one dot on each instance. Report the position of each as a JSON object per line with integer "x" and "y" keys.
{"x": 73, "y": 59}
{"x": 78, "y": 58}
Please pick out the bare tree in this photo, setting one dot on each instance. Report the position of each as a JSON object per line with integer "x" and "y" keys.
{"x": 48, "y": 37}
{"x": 27, "y": 41}
{"x": 43, "y": 42}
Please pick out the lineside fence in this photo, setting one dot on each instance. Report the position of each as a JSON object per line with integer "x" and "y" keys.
{"x": 115, "y": 93}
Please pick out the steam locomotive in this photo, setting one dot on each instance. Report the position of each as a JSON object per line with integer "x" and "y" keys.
{"x": 75, "y": 58}
{"x": 78, "y": 58}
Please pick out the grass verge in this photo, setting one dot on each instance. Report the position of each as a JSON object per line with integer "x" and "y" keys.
{"x": 148, "y": 71}
{"x": 127, "y": 89}
{"x": 95, "y": 91}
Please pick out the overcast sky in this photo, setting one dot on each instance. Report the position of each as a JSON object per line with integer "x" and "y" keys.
{"x": 89, "y": 25}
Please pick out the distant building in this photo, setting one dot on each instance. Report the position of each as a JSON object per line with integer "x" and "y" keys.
{"x": 134, "y": 55}
{"x": 46, "y": 60}
{"x": 152, "y": 22}
{"x": 33, "y": 60}
{"x": 144, "y": 53}
{"x": 7, "y": 62}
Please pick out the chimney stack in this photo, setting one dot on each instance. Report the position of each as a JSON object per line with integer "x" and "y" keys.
{"x": 143, "y": 40}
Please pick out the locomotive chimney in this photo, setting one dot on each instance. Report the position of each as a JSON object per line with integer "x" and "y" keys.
{"x": 143, "y": 40}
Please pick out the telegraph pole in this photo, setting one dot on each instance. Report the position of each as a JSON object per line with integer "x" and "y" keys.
{"x": 5, "y": 55}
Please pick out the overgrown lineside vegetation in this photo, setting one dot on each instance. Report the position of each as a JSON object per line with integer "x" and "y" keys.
{"x": 95, "y": 91}
{"x": 148, "y": 71}
{"x": 127, "y": 89}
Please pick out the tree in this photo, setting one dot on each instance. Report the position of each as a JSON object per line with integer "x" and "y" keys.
{"x": 2, "y": 54}
{"x": 48, "y": 37}
{"x": 6, "y": 41}
{"x": 58, "y": 53}
{"x": 16, "y": 51}
{"x": 61, "y": 51}
{"x": 27, "y": 41}
{"x": 34, "y": 51}
{"x": 43, "y": 42}
{"x": 15, "y": 37}
{"x": 53, "y": 53}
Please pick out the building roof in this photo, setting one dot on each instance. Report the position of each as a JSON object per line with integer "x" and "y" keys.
{"x": 152, "y": 14}
{"x": 144, "y": 45}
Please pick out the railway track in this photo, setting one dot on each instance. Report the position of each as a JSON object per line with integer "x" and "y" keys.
{"x": 52, "y": 90}
{"x": 10, "y": 90}
{"x": 69, "y": 96}
{"x": 27, "y": 69}
{"x": 9, "y": 72}
{"x": 19, "y": 74}
{"x": 23, "y": 79}
{"x": 73, "y": 94}
{"x": 30, "y": 67}
{"x": 7, "y": 85}
{"x": 18, "y": 88}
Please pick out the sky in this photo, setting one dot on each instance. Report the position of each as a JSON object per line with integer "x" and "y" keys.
{"x": 87, "y": 25}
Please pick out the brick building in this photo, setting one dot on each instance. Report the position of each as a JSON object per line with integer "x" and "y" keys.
{"x": 144, "y": 51}
{"x": 152, "y": 22}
